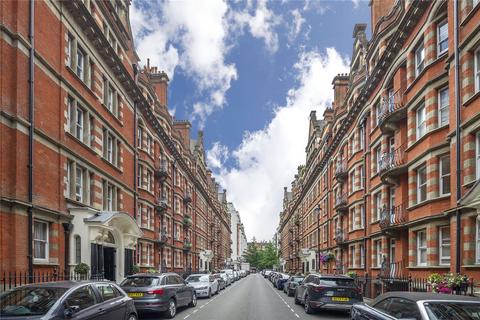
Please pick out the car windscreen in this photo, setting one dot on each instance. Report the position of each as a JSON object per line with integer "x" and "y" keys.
{"x": 453, "y": 310}
{"x": 197, "y": 279}
{"x": 297, "y": 279}
{"x": 139, "y": 282}
{"x": 29, "y": 301}
{"x": 337, "y": 282}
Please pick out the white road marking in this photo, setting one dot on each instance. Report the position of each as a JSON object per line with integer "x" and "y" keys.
{"x": 281, "y": 298}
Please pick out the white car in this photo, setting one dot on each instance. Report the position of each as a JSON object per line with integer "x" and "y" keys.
{"x": 226, "y": 278}
{"x": 230, "y": 273}
{"x": 205, "y": 284}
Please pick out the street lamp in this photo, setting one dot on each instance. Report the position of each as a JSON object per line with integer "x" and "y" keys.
{"x": 317, "y": 211}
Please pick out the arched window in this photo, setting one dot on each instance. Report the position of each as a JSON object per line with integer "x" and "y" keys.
{"x": 78, "y": 249}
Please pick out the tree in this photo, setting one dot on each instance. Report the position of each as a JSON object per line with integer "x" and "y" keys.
{"x": 252, "y": 255}
{"x": 269, "y": 257}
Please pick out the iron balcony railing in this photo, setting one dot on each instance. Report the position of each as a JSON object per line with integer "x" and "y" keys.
{"x": 390, "y": 104}
{"x": 161, "y": 205}
{"x": 341, "y": 169}
{"x": 161, "y": 169}
{"x": 187, "y": 221}
{"x": 341, "y": 201}
{"x": 340, "y": 236}
{"x": 393, "y": 159}
{"x": 393, "y": 217}
{"x": 187, "y": 245}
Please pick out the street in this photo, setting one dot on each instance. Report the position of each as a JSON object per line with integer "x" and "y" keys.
{"x": 251, "y": 298}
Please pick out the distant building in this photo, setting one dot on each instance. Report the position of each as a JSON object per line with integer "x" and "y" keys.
{"x": 238, "y": 241}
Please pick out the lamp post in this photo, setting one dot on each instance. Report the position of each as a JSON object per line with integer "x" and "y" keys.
{"x": 317, "y": 211}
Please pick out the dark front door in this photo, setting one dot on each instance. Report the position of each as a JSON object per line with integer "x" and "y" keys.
{"x": 128, "y": 262}
{"x": 109, "y": 263}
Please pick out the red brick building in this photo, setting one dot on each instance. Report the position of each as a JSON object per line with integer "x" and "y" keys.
{"x": 379, "y": 188}
{"x": 93, "y": 166}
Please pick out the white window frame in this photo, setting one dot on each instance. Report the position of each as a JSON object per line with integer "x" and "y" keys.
{"x": 110, "y": 97}
{"x": 421, "y": 247}
{"x": 361, "y": 132}
{"x": 378, "y": 249}
{"x": 80, "y": 69}
{"x": 110, "y": 148}
{"x": 140, "y": 137}
{"x": 378, "y": 113}
{"x": 140, "y": 176}
{"x": 45, "y": 242}
{"x": 352, "y": 255}
{"x": 444, "y": 260}
{"x": 362, "y": 255}
{"x": 476, "y": 73}
{"x": 440, "y": 41}
{"x": 443, "y": 108}
{"x": 477, "y": 155}
{"x": 80, "y": 123}
{"x": 378, "y": 157}
{"x": 421, "y": 121}
{"x": 79, "y": 183}
{"x": 419, "y": 64}
{"x": 362, "y": 178}
{"x": 420, "y": 185}
{"x": 109, "y": 194}
{"x": 444, "y": 175}
{"x": 377, "y": 199}
{"x": 70, "y": 40}
{"x": 362, "y": 216}
{"x": 477, "y": 242}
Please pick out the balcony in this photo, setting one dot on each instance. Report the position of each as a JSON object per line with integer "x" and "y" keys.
{"x": 341, "y": 170}
{"x": 340, "y": 237}
{"x": 341, "y": 202}
{"x": 161, "y": 205}
{"x": 163, "y": 238}
{"x": 161, "y": 170}
{"x": 391, "y": 270}
{"x": 392, "y": 165}
{"x": 187, "y": 221}
{"x": 392, "y": 110}
{"x": 187, "y": 245}
{"x": 392, "y": 218}
{"x": 187, "y": 197}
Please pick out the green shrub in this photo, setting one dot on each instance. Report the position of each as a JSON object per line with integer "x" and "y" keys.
{"x": 81, "y": 268}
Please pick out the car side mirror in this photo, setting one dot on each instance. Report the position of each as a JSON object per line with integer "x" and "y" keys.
{"x": 68, "y": 312}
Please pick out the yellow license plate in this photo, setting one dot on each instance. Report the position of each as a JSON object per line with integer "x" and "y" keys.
{"x": 340, "y": 299}
{"x": 135, "y": 294}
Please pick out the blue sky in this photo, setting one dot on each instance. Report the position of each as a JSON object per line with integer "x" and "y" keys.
{"x": 248, "y": 73}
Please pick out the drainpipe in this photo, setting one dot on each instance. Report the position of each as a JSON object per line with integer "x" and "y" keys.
{"x": 135, "y": 74}
{"x": 173, "y": 216}
{"x": 31, "y": 118}
{"x": 457, "y": 135}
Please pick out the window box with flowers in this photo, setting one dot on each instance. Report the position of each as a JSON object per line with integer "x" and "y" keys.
{"x": 448, "y": 283}
{"x": 327, "y": 257}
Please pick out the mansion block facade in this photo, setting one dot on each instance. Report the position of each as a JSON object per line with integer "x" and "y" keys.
{"x": 390, "y": 186}
{"x": 94, "y": 169}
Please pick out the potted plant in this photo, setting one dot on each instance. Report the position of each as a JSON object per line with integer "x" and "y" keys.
{"x": 82, "y": 269}
{"x": 135, "y": 269}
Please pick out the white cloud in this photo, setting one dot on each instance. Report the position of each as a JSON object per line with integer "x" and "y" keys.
{"x": 217, "y": 155}
{"x": 267, "y": 159}
{"x": 296, "y": 27}
{"x": 192, "y": 36}
{"x": 356, "y": 3}
{"x": 261, "y": 23}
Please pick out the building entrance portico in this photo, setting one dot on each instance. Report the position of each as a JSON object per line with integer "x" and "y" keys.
{"x": 105, "y": 241}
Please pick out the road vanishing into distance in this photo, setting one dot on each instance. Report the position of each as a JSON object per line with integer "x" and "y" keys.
{"x": 251, "y": 298}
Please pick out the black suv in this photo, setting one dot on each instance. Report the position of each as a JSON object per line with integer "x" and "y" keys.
{"x": 335, "y": 292}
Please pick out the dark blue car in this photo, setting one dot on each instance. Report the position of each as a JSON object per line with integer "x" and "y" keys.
{"x": 281, "y": 280}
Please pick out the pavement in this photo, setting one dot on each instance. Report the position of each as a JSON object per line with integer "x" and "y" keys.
{"x": 251, "y": 298}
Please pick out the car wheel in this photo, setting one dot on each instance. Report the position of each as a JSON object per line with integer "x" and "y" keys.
{"x": 172, "y": 309}
{"x": 308, "y": 308}
{"x": 289, "y": 293}
{"x": 209, "y": 293}
{"x": 132, "y": 317}
{"x": 296, "y": 299}
{"x": 193, "y": 303}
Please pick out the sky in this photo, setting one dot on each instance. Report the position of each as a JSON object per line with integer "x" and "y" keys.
{"x": 248, "y": 73}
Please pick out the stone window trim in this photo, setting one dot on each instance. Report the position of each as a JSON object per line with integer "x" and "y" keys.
{"x": 421, "y": 248}
{"x": 441, "y": 41}
{"x": 443, "y": 108}
{"x": 41, "y": 239}
{"x": 444, "y": 175}
{"x": 78, "y": 60}
{"x": 444, "y": 243}
{"x": 421, "y": 183}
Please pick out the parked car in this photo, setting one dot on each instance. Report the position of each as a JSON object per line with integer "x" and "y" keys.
{"x": 226, "y": 278}
{"x": 418, "y": 306}
{"x": 221, "y": 283}
{"x": 266, "y": 273}
{"x": 159, "y": 292}
{"x": 230, "y": 273}
{"x": 336, "y": 292}
{"x": 281, "y": 279}
{"x": 236, "y": 275}
{"x": 291, "y": 284}
{"x": 67, "y": 299}
{"x": 205, "y": 285}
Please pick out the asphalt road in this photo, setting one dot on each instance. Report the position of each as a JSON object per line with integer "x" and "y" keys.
{"x": 251, "y": 298}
